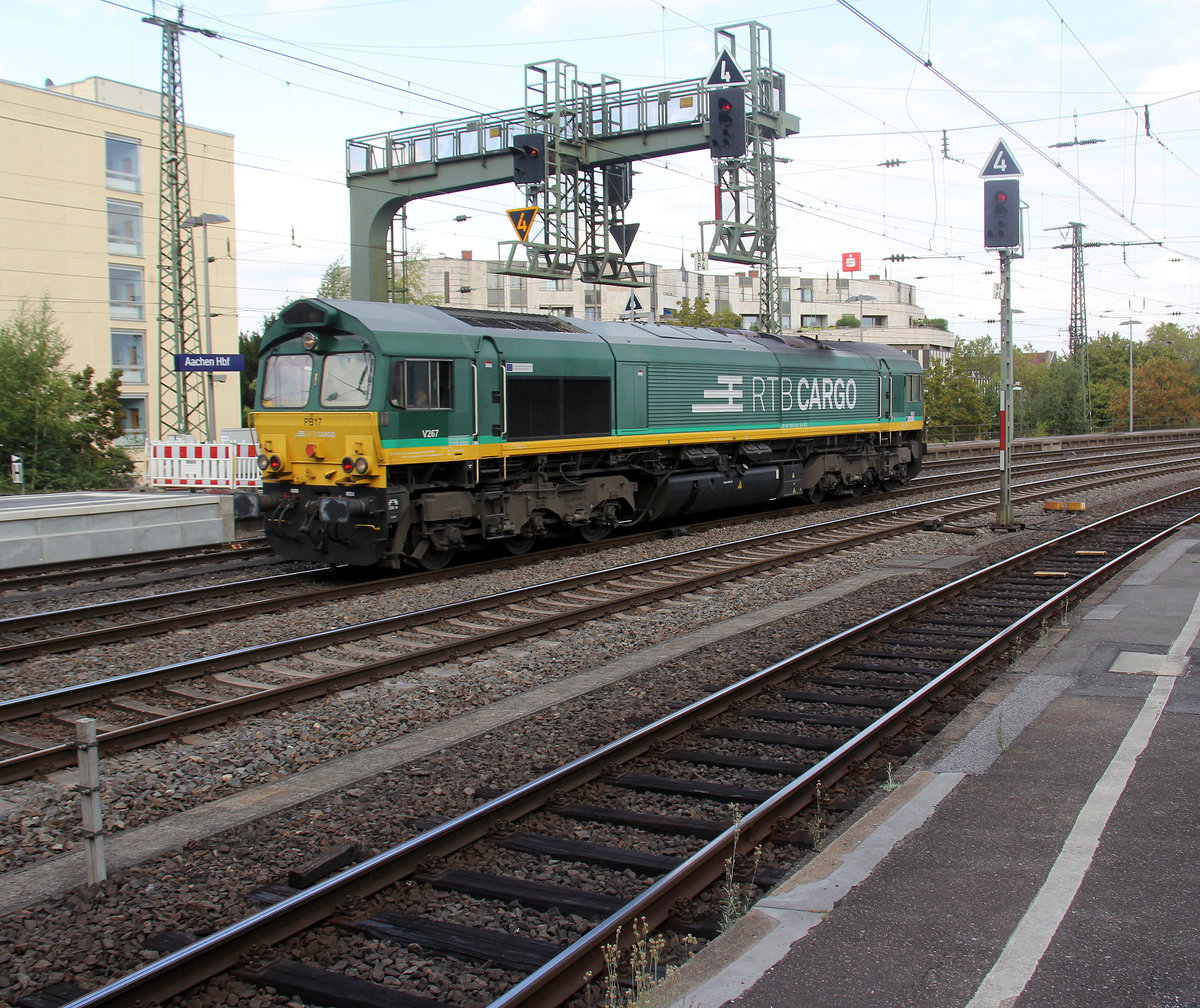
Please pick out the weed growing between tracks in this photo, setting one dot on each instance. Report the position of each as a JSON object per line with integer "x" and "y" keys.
{"x": 643, "y": 962}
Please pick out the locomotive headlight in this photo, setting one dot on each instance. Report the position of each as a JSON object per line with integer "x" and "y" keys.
{"x": 361, "y": 465}
{"x": 309, "y": 341}
{"x": 263, "y": 463}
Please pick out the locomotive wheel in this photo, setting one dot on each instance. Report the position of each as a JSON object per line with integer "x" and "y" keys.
{"x": 594, "y": 532}
{"x": 435, "y": 559}
{"x": 519, "y": 545}
{"x": 816, "y": 495}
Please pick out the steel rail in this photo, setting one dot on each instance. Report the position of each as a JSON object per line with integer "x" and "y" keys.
{"x": 21, "y": 577}
{"x": 24, "y": 765}
{"x": 119, "y": 632}
{"x": 548, "y": 986}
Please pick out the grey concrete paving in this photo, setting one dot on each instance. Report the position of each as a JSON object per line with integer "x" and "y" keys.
{"x": 52, "y": 528}
{"x": 1049, "y": 859}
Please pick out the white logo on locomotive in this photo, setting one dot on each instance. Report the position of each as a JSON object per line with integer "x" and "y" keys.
{"x": 778, "y": 392}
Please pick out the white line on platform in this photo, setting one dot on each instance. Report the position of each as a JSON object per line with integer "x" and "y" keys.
{"x": 1028, "y": 943}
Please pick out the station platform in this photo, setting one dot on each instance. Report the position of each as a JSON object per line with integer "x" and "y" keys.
{"x": 1045, "y": 855}
{"x": 86, "y": 525}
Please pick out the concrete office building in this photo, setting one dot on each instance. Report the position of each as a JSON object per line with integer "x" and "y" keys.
{"x": 80, "y": 205}
{"x": 887, "y": 309}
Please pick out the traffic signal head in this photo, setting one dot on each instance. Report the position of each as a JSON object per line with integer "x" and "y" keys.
{"x": 727, "y": 122}
{"x": 1001, "y": 213}
{"x": 529, "y": 158}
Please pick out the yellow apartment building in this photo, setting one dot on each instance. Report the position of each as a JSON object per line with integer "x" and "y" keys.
{"x": 79, "y": 223}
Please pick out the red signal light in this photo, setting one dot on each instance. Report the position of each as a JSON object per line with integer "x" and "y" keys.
{"x": 725, "y": 105}
{"x": 1001, "y": 197}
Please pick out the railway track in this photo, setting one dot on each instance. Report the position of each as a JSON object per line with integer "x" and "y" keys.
{"x": 146, "y": 707}
{"x": 147, "y": 570}
{"x": 51, "y": 632}
{"x": 719, "y": 776}
{"x": 149, "y": 567}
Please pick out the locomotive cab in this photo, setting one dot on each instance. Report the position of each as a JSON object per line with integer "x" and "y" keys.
{"x": 333, "y": 407}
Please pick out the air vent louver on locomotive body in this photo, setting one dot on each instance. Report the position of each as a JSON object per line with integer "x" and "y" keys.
{"x": 511, "y": 320}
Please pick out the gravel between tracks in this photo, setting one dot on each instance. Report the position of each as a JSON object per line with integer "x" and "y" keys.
{"x": 92, "y": 934}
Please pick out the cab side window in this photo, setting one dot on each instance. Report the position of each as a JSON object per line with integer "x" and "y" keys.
{"x": 422, "y": 384}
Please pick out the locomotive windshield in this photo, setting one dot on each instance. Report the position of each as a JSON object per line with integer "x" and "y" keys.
{"x": 285, "y": 383}
{"x": 346, "y": 379}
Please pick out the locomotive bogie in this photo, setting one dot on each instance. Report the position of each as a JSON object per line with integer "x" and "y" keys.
{"x": 395, "y": 434}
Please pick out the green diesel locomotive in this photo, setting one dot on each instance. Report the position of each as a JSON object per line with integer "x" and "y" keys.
{"x": 394, "y": 433}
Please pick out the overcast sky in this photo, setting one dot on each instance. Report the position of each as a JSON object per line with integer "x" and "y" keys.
{"x": 294, "y": 79}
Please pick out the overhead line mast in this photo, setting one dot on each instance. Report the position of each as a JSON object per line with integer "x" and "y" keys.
{"x": 1077, "y": 337}
{"x": 182, "y": 407}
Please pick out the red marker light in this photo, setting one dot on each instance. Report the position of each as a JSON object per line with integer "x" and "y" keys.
{"x": 1001, "y": 197}
{"x": 725, "y": 105}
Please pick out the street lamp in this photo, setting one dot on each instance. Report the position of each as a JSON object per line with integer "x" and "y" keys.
{"x": 202, "y": 223}
{"x": 860, "y": 298}
{"x": 1131, "y": 323}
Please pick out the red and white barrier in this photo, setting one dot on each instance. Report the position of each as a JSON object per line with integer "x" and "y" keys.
{"x": 173, "y": 465}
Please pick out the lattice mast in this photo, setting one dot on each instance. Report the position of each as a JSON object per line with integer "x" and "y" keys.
{"x": 745, "y": 230}
{"x": 182, "y": 407}
{"x": 1077, "y": 335}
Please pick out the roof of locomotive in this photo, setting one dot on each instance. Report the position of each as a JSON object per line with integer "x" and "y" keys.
{"x": 384, "y": 317}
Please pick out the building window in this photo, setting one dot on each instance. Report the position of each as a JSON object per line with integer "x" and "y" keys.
{"x": 745, "y": 281}
{"x": 591, "y": 313}
{"x": 812, "y": 321}
{"x": 129, "y": 355}
{"x": 121, "y": 164}
{"x": 806, "y": 294}
{"x": 874, "y": 321}
{"x": 591, "y": 295}
{"x": 561, "y": 311}
{"x": 554, "y": 285}
{"x": 785, "y": 321}
{"x": 125, "y": 297}
{"x": 124, "y": 228}
{"x": 135, "y": 417}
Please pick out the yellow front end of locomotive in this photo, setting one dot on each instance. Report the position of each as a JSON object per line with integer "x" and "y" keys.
{"x": 320, "y": 449}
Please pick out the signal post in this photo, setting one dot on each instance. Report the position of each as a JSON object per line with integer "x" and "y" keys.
{"x": 1002, "y": 231}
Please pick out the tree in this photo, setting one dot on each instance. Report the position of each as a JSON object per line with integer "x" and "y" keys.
{"x": 953, "y": 398}
{"x": 335, "y": 281}
{"x": 409, "y": 269}
{"x": 62, "y": 423}
{"x": 1164, "y": 392}
{"x": 1051, "y": 396}
{"x": 696, "y": 313}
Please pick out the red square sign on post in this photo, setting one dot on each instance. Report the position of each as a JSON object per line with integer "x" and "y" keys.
{"x": 851, "y": 261}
